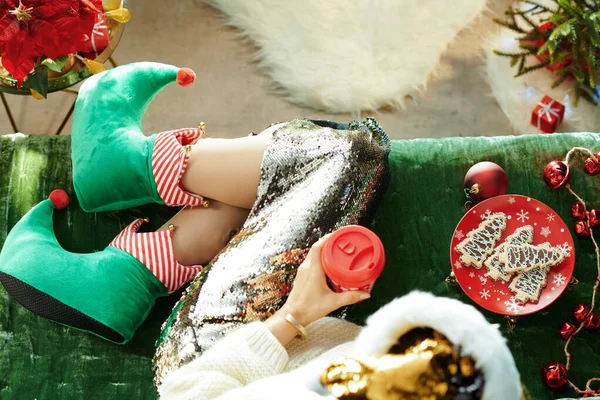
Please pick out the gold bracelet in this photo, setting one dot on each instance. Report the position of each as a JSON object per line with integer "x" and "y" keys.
{"x": 303, "y": 333}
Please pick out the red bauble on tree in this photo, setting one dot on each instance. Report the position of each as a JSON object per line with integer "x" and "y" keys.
{"x": 484, "y": 180}
{"x": 578, "y": 210}
{"x": 556, "y": 174}
{"x": 567, "y": 330}
{"x": 580, "y": 312}
{"x": 554, "y": 375}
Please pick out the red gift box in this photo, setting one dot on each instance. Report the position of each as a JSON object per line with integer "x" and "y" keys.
{"x": 547, "y": 114}
{"x": 98, "y": 41}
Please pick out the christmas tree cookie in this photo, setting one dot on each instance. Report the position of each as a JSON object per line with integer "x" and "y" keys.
{"x": 480, "y": 242}
{"x": 528, "y": 286}
{"x": 522, "y": 235}
{"x": 526, "y": 257}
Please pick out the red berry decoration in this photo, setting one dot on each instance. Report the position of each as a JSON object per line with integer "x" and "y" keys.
{"x": 484, "y": 180}
{"x": 592, "y": 166}
{"x": 185, "y": 77}
{"x": 594, "y": 218}
{"x": 580, "y": 312}
{"x": 578, "y": 210}
{"x": 567, "y": 330}
{"x": 59, "y": 198}
{"x": 556, "y": 174}
{"x": 554, "y": 375}
{"x": 582, "y": 229}
{"x": 591, "y": 322}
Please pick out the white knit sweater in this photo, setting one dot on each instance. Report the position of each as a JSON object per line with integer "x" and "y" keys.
{"x": 248, "y": 364}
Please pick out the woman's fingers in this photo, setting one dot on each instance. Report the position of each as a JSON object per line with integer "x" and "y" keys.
{"x": 349, "y": 297}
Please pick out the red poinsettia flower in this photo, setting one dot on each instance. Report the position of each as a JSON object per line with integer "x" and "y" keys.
{"x": 33, "y": 29}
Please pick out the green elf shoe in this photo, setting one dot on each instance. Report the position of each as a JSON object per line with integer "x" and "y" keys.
{"x": 107, "y": 293}
{"x": 115, "y": 166}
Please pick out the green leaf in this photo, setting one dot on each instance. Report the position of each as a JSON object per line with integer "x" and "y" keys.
{"x": 56, "y": 65}
{"x": 570, "y": 8}
{"x": 38, "y": 80}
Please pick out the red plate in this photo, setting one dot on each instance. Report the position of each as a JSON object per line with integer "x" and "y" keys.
{"x": 547, "y": 226}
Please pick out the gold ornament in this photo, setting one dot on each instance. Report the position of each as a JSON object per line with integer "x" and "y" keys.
{"x": 121, "y": 14}
{"x": 201, "y": 125}
{"x": 110, "y": 5}
{"x": 94, "y": 66}
{"x": 36, "y": 95}
{"x": 421, "y": 371}
{"x": 205, "y": 204}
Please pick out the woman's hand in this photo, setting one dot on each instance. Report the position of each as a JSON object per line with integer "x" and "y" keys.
{"x": 310, "y": 298}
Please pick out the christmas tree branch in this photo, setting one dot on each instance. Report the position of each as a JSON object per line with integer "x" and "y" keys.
{"x": 531, "y": 68}
{"x": 509, "y": 25}
{"x": 569, "y": 42}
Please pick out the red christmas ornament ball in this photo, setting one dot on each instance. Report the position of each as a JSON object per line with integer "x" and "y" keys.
{"x": 185, "y": 77}
{"x": 59, "y": 198}
{"x": 554, "y": 375}
{"x": 578, "y": 210}
{"x": 484, "y": 180}
{"x": 591, "y": 322}
{"x": 567, "y": 330}
{"x": 580, "y": 312}
{"x": 592, "y": 166}
{"x": 556, "y": 174}
{"x": 582, "y": 229}
{"x": 594, "y": 218}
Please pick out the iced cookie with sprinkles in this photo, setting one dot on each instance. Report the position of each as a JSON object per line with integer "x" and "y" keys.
{"x": 526, "y": 257}
{"x": 480, "y": 242}
{"x": 522, "y": 235}
{"x": 528, "y": 286}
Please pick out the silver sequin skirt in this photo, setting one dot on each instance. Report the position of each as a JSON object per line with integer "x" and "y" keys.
{"x": 317, "y": 176}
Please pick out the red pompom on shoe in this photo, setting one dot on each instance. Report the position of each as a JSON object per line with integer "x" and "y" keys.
{"x": 185, "y": 77}
{"x": 59, "y": 198}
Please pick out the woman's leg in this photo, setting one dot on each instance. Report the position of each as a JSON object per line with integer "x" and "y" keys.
{"x": 227, "y": 170}
{"x": 200, "y": 233}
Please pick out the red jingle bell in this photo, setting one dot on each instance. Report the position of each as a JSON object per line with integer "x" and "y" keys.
{"x": 580, "y": 312}
{"x": 578, "y": 210}
{"x": 592, "y": 166}
{"x": 484, "y": 180}
{"x": 591, "y": 322}
{"x": 582, "y": 229}
{"x": 556, "y": 174}
{"x": 594, "y": 218}
{"x": 554, "y": 375}
{"x": 567, "y": 330}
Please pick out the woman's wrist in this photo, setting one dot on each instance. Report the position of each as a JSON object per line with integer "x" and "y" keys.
{"x": 299, "y": 315}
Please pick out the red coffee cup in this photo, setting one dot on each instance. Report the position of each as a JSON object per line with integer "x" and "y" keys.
{"x": 353, "y": 258}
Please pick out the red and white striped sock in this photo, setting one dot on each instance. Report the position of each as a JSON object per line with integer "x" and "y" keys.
{"x": 155, "y": 251}
{"x": 169, "y": 161}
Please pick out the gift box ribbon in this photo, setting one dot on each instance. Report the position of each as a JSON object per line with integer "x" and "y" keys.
{"x": 546, "y": 110}
{"x": 97, "y": 31}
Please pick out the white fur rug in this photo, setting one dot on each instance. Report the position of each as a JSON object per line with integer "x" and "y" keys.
{"x": 346, "y": 56}
{"x": 518, "y": 96}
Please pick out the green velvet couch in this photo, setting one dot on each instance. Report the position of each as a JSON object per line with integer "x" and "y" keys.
{"x": 424, "y": 202}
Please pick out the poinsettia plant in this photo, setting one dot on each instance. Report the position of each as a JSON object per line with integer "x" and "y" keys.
{"x": 37, "y": 35}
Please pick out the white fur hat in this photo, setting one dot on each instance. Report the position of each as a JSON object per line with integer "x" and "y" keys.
{"x": 462, "y": 324}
